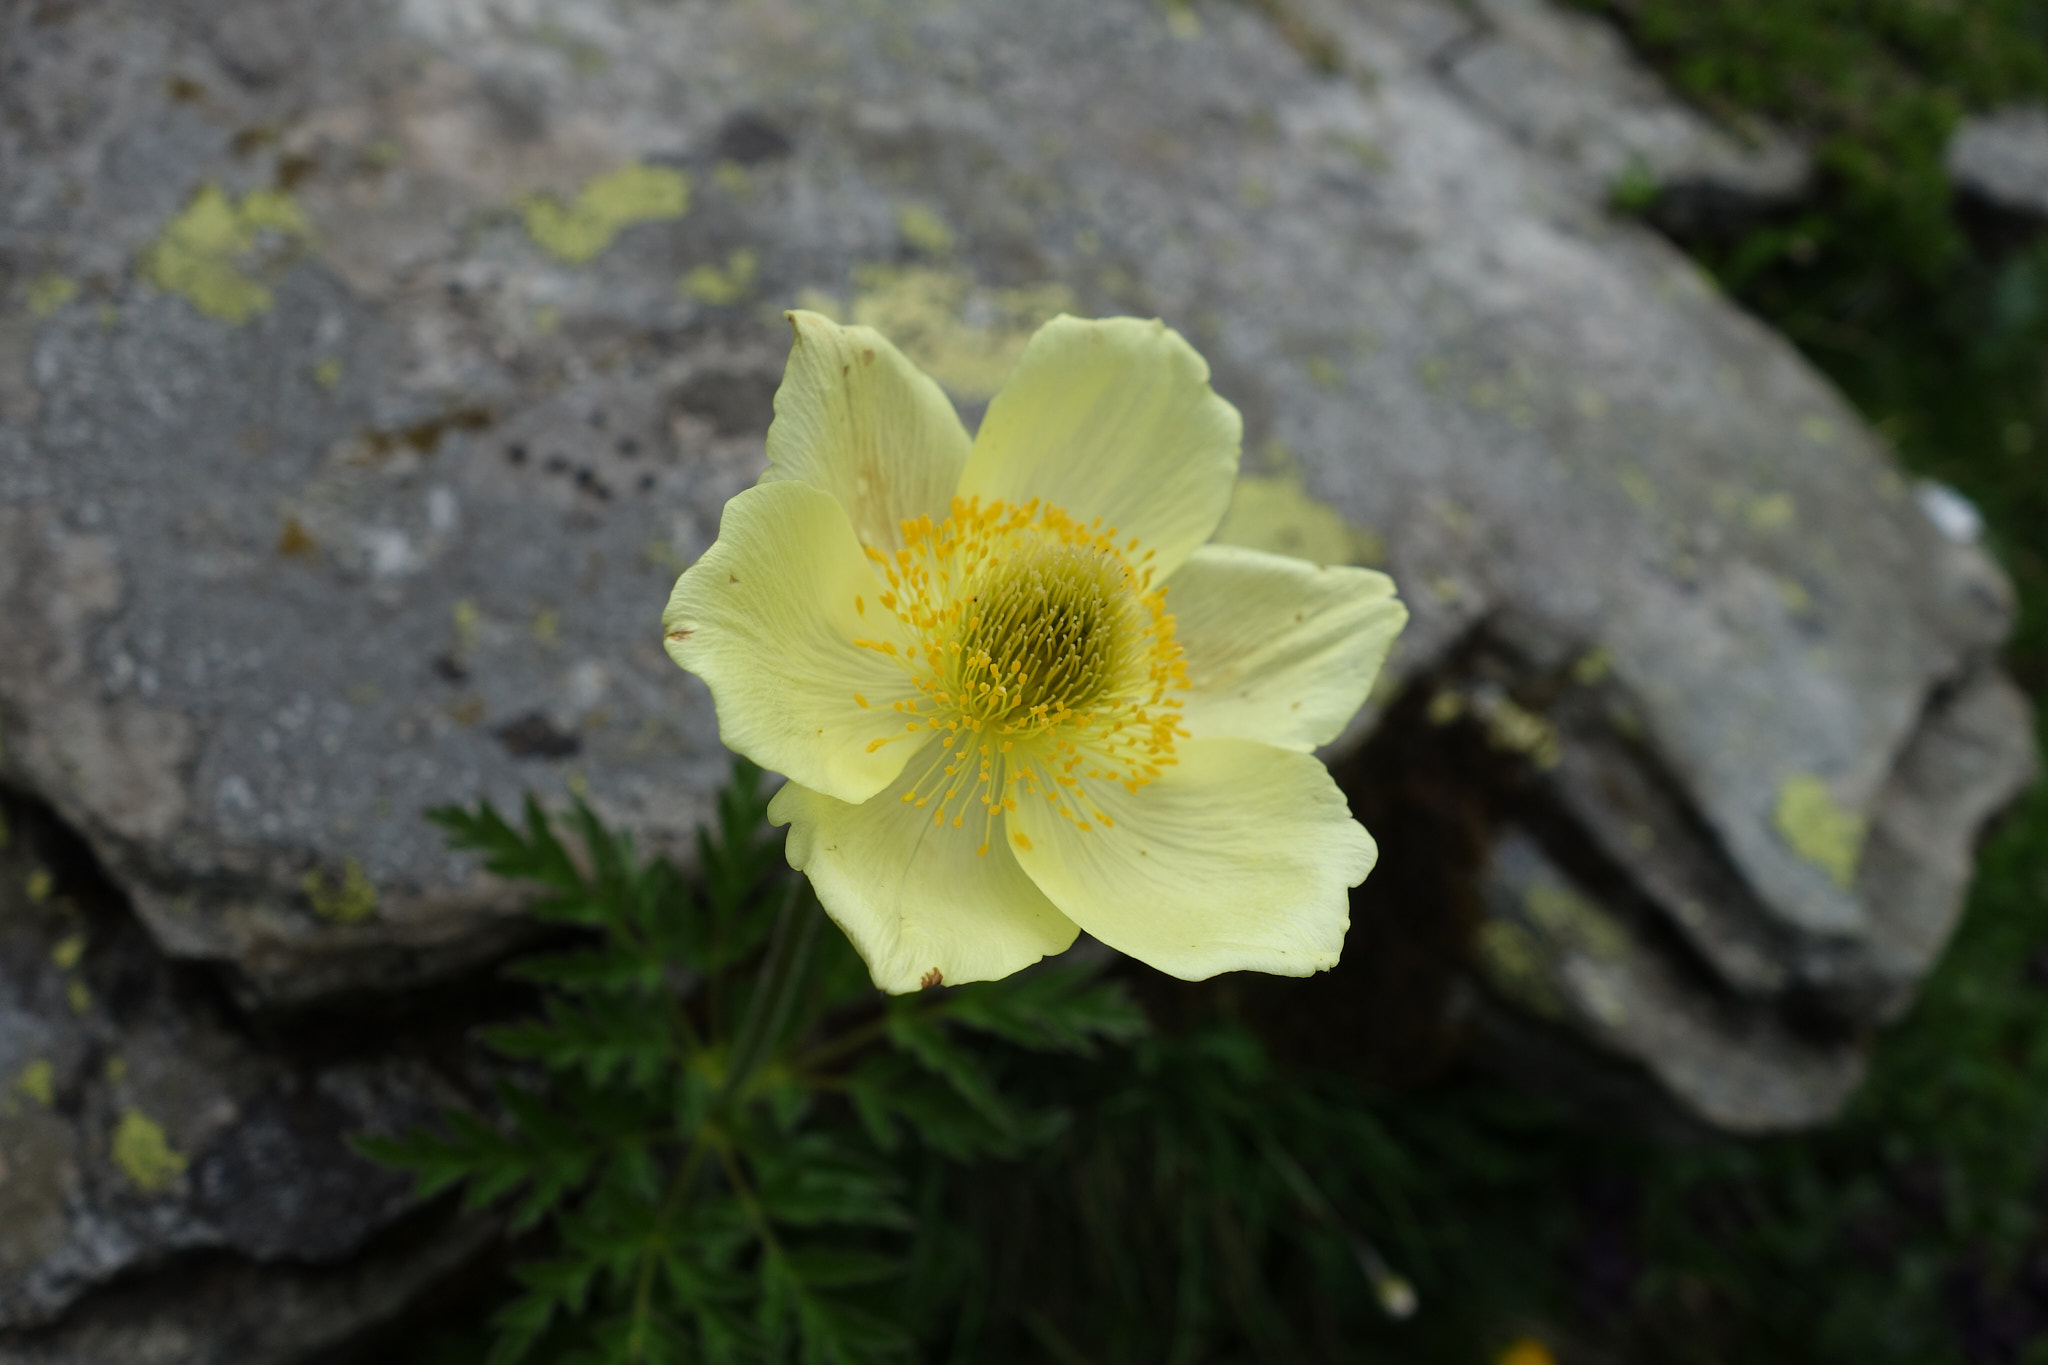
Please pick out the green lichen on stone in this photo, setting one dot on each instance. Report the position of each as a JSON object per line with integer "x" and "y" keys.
{"x": 1516, "y": 729}
{"x": 1572, "y": 922}
{"x": 39, "y": 885}
{"x": 721, "y": 288}
{"x": 465, "y": 618}
{"x": 350, "y": 900}
{"x": 327, "y": 373}
{"x": 634, "y": 193}
{"x": 1593, "y": 666}
{"x": 79, "y": 996}
{"x": 48, "y": 293}
{"x": 1770, "y": 512}
{"x": 38, "y": 1082}
{"x": 68, "y": 952}
{"x": 1515, "y": 963}
{"x": 733, "y": 179}
{"x": 1279, "y": 516}
{"x": 144, "y": 1154}
{"x": 923, "y": 310}
{"x": 924, "y": 229}
{"x": 201, "y": 254}
{"x": 1818, "y": 828}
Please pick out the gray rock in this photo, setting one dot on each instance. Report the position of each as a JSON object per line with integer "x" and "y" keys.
{"x": 368, "y": 380}
{"x": 2002, "y": 158}
{"x": 229, "y": 1312}
{"x": 1566, "y": 85}
{"x": 140, "y": 1125}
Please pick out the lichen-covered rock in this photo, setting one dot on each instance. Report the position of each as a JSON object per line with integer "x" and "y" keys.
{"x": 139, "y": 1123}
{"x": 370, "y": 371}
{"x": 1564, "y": 84}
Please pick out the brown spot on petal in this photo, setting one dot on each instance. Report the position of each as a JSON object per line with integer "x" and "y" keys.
{"x": 930, "y": 979}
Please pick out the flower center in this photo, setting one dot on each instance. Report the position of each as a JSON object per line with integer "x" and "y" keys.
{"x": 1041, "y": 653}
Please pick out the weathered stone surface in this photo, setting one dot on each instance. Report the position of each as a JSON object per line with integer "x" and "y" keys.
{"x": 2002, "y": 158}
{"x": 139, "y": 1124}
{"x": 370, "y": 372}
{"x": 1566, "y": 86}
{"x": 225, "y": 1311}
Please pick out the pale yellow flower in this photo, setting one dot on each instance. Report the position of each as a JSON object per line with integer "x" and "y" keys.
{"x": 1014, "y": 692}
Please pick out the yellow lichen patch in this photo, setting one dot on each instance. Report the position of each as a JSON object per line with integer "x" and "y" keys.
{"x": 1573, "y": 922}
{"x": 68, "y": 952}
{"x": 1514, "y": 963}
{"x": 39, "y": 885}
{"x": 202, "y": 252}
{"x": 1819, "y": 828}
{"x": 78, "y": 995}
{"x": 38, "y": 1082}
{"x": 924, "y": 310}
{"x": 1593, "y": 666}
{"x": 1278, "y": 515}
{"x": 48, "y": 293}
{"x": 350, "y": 900}
{"x": 1446, "y": 707}
{"x": 464, "y": 616}
{"x": 327, "y": 373}
{"x": 924, "y": 229}
{"x": 1516, "y": 729}
{"x": 1771, "y": 512}
{"x": 733, "y": 179}
{"x": 1817, "y": 429}
{"x": 547, "y": 627}
{"x": 144, "y": 1154}
{"x": 634, "y": 193}
{"x": 722, "y": 288}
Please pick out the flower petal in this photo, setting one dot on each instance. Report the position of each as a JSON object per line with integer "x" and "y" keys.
{"x": 1113, "y": 419}
{"x": 857, "y": 419}
{"x": 1278, "y": 649}
{"x": 913, "y": 896}
{"x": 768, "y": 619}
{"x": 1237, "y": 858}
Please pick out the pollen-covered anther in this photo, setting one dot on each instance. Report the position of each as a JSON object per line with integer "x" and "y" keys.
{"x": 1041, "y": 634}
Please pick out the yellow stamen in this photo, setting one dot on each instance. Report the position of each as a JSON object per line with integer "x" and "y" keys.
{"x": 1042, "y": 634}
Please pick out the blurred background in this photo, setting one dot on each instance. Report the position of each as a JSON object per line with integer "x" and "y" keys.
{"x": 367, "y": 374}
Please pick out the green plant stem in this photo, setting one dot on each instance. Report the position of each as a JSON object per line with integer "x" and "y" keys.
{"x": 746, "y": 1043}
{"x": 853, "y": 1040}
{"x": 673, "y": 1201}
{"x": 790, "y": 985}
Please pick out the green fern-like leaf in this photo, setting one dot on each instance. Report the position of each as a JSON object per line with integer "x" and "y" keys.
{"x": 1058, "y": 1008}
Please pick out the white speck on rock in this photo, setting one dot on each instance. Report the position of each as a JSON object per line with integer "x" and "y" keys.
{"x": 1954, "y": 515}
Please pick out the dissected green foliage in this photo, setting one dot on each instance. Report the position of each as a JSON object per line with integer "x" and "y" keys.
{"x": 706, "y": 1115}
